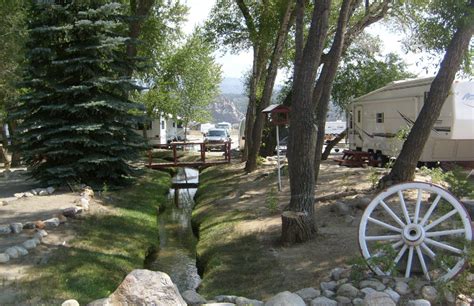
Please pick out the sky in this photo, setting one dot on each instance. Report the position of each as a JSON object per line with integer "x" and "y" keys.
{"x": 236, "y": 66}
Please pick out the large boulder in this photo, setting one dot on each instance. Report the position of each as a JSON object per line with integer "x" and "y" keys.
{"x": 145, "y": 287}
{"x": 285, "y": 299}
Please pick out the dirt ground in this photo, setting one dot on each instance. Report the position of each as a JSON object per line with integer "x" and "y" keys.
{"x": 307, "y": 263}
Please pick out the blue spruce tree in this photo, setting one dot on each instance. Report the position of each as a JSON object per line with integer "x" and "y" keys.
{"x": 75, "y": 119}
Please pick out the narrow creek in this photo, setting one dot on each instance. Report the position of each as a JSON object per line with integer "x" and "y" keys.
{"x": 176, "y": 255}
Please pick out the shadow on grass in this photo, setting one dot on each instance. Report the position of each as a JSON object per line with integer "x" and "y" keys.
{"x": 107, "y": 247}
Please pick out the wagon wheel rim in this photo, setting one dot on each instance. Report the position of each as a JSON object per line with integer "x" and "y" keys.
{"x": 416, "y": 235}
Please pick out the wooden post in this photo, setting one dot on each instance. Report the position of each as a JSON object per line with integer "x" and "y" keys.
{"x": 278, "y": 158}
{"x": 175, "y": 158}
{"x": 203, "y": 152}
{"x": 150, "y": 157}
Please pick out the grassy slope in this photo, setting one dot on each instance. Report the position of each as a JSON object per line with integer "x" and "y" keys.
{"x": 231, "y": 263}
{"x": 107, "y": 247}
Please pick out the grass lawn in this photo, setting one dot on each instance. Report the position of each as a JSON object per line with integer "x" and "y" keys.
{"x": 230, "y": 263}
{"x": 107, "y": 247}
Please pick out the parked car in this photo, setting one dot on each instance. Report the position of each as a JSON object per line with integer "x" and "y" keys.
{"x": 215, "y": 139}
{"x": 283, "y": 145}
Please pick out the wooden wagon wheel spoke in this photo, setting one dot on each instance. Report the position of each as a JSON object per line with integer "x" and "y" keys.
{"x": 420, "y": 223}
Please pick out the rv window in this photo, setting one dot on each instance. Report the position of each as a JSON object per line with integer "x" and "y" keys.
{"x": 162, "y": 124}
{"x": 358, "y": 116}
{"x": 379, "y": 117}
{"x": 174, "y": 124}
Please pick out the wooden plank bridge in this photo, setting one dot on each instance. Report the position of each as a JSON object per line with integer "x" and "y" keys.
{"x": 201, "y": 163}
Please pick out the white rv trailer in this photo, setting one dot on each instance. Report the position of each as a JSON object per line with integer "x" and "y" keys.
{"x": 162, "y": 130}
{"x": 378, "y": 116}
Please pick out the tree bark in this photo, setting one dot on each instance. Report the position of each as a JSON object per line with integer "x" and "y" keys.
{"x": 332, "y": 143}
{"x": 302, "y": 142}
{"x": 296, "y": 227}
{"x": 405, "y": 165}
{"x": 139, "y": 10}
{"x": 271, "y": 74}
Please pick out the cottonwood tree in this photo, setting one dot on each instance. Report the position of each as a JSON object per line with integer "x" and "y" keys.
{"x": 310, "y": 98}
{"x": 191, "y": 80}
{"x": 76, "y": 122}
{"x": 449, "y": 27}
{"x": 262, "y": 26}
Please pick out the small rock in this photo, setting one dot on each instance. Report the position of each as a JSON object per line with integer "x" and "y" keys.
{"x": 43, "y": 233}
{"x": 362, "y": 202}
{"x": 36, "y": 240}
{"x": 348, "y": 290}
{"x": 242, "y": 301}
{"x": 328, "y": 293}
{"x": 53, "y": 222}
{"x": 40, "y": 224}
{"x": 19, "y": 195}
{"x": 419, "y": 302}
{"x": 5, "y": 229}
{"x": 16, "y": 227}
{"x": 88, "y": 192}
{"x": 50, "y": 190}
{"x": 101, "y": 302}
{"x": 29, "y": 244}
{"x": 375, "y": 284}
{"x": 328, "y": 285}
{"x": 378, "y": 299}
{"x": 419, "y": 284}
{"x": 70, "y": 303}
{"x": 323, "y": 301}
{"x": 393, "y": 295}
{"x": 21, "y": 250}
{"x": 84, "y": 203}
{"x": 358, "y": 302}
{"x": 285, "y": 298}
{"x": 29, "y": 194}
{"x": 225, "y": 298}
{"x": 191, "y": 297}
{"x": 349, "y": 219}
{"x": 4, "y": 258}
{"x": 429, "y": 293}
{"x": 449, "y": 297}
{"x": 43, "y": 192}
{"x": 402, "y": 288}
{"x": 71, "y": 212}
{"x": 29, "y": 225}
{"x": 367, "y": 291}
{"x": 62, "y": 219}
{"x": 38, "y": 236}
{"x": 342, "y": 209}
{"x": 33, "y": 191}
{"x": 12, "y": 252}
{"x": 336, "y": 273}
{"x": 343, "y": 301}
{"x": 342, "y": 281}
{"x": 308, "y": 293}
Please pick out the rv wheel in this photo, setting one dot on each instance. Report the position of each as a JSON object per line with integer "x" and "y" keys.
{"x": 415, "y": 228}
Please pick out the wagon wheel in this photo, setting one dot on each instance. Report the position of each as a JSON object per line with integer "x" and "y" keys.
{"x": 418, "y": 228}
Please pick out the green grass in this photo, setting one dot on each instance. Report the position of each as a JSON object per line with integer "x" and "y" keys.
{"x": 230, "y": 262}
{"x": 107, "y": 246}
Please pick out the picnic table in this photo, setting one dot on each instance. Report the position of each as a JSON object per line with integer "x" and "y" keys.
{"x": 352, "y": 158}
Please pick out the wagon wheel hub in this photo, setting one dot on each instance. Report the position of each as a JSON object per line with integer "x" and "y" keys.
{"x": 413, "y": 234}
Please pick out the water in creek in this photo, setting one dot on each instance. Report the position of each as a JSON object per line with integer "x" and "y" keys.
{"x": 176, "y": 255}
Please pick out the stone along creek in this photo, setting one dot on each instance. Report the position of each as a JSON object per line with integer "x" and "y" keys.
{"x": 176, "y": 254}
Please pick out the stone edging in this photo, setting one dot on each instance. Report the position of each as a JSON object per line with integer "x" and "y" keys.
{"x": 82, "y": 204}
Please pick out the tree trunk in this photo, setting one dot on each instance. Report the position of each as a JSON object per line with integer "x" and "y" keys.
{"x": 302, "y": 140}
{"x": 297, "y": 227}
{"x": 323, "y": 88}
{"x": 268, "y": 140}
{"x": 405, "y": 165}
{"x": 15, "y": 159}
{"x": 139, "y": 10}
{"x": 332, "y": 143}
{"x": 271, "y": 74}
